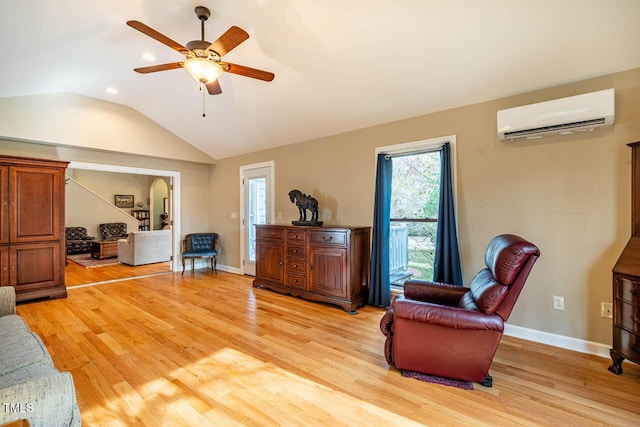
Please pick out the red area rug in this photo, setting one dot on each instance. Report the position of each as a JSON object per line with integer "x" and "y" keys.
{"x": 465, "y": 385}
{"x": 86, "y": 261}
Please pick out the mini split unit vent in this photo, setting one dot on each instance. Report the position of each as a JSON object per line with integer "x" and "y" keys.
{"x": 564, "y": 116}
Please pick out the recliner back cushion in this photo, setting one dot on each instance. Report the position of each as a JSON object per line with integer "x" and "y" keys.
{"x": 487, "y": 292}
{"x": 505, "y": 256}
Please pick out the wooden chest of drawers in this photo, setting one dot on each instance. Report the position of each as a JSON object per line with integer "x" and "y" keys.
{"x": 327, "y": 264}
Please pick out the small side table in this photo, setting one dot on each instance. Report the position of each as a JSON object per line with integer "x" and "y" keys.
{"x": 104, "y": 249}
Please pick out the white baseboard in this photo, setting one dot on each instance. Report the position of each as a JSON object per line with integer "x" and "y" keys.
{"x": 555, "y": 340}
{"x": 228, "y": 269}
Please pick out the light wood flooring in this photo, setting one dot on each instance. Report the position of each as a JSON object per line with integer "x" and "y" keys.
{"x": 76, "y": 274}
{"x": 209, "y": 350}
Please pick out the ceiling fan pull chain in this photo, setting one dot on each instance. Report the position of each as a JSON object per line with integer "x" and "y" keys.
{"x": 203, "y": 97}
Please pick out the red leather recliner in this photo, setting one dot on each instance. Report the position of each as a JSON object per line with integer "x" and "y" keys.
{"x": 453, "y": 331}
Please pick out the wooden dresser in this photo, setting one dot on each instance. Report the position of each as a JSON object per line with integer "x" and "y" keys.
{"x": 626, "y": 282}
{"x": 327, "y": 264}
{"x": 32, "y": 247}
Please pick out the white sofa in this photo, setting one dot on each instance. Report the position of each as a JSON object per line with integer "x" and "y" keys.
{"x": 145, "y": 247}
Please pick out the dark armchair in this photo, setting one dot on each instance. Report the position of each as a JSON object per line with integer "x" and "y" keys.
{"x": 200, "y": 245}
{"x": 453, "y": 331}
{"x": 77, "y": 241}
{"x": 113, "y": 230}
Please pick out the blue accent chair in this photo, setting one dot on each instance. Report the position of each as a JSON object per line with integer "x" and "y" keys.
{"x": 200, "y": 245}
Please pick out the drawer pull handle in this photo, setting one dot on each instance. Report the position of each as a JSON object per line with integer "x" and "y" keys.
{"x": 271, "y": 234}
{"x": 635, "y": 292}
{"x": 295, "y": 265}
{"x": 327, "y": 239}
{"x": 295, "y": 280}
{"x": 281, "y": 262}
{"x": 295, "y": 251}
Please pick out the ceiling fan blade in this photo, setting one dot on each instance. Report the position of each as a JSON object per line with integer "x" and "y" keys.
{"x": 229, "y": 40}
{"x": 160, "y": 67}
{"x": 214, "y": 88}
{"x": 247, "y": 71}
{"x": 144, "y": 29}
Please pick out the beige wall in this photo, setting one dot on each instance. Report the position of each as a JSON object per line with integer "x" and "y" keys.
{"x": 108, "y": 184}
{"x": 82, "y": 122}
{"x": 568, "y": 195}
{"x": 194, "y": 177}
{"x": 86, "y": 209}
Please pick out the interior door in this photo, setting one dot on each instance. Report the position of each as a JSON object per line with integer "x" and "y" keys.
{"x": 257, "y": 194}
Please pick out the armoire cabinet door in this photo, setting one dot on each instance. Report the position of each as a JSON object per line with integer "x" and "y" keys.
{"x": 4, "y": 265}
{"x": 35, "y": 200}
{"x": 34, "y": 266}
{"x": 4, "y": 204}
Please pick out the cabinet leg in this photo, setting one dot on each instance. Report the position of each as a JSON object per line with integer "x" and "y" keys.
{"x": 617, "y": 358}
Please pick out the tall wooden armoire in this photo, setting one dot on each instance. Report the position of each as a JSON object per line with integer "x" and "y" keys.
{"x": 32, "y": 247}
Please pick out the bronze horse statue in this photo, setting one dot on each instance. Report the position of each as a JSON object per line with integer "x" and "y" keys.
{"x": 304, "y": 202}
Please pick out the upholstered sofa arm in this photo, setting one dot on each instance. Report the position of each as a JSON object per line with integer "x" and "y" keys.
{"x": 7, "y": 300}
{"x": 449, "y": 317}
{"x": 435, "y": 292}
{"x": 48, "y": 400}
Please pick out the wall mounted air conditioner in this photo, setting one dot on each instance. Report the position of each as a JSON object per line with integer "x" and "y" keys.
{"x": 580, "y": 113}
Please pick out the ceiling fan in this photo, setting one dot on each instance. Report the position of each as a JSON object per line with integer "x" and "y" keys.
{"x": 203, "y": 59}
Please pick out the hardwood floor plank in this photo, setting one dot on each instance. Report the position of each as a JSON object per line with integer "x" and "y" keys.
{"x": 206, "y": 349}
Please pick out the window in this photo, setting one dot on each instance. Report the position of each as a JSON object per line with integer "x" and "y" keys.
{"x": 415, "y": 190}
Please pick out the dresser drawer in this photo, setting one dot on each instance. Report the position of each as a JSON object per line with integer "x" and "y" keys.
{"x": 296, "y": 280}
{"x": 337, "y": 238}
{"x": 297, "y": 265}
{"x": 626, "y": 343}
{"x": 296, "y": 251}
{"x": 267, "y": 233}
{"x": 628, "y": 316}
{"x": 297, "y": 236}
{"x": 628, "y": 290}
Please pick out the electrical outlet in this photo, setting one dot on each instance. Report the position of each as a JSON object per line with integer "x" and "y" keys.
{"x": 606, "y": 310}
{"x": 558, "y": 303}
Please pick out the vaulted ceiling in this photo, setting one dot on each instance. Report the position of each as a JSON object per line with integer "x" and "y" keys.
{"x": 339, "y": 65}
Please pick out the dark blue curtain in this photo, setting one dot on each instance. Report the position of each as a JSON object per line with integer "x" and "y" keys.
{"x": 379, "y": 286}
{"x": 447, "y": 257}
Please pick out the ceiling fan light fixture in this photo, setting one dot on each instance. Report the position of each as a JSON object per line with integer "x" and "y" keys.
{"x": 203, "y": 70}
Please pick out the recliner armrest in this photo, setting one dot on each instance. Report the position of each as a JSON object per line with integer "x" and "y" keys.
{"x": 449, "y": 317}
{"x": 434, "y": 292}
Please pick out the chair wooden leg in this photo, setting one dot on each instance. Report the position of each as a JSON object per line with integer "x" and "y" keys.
{"x": 215, "y": 265}
{"x": 193, "y": 260}
{"x": 183, "y": 266}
